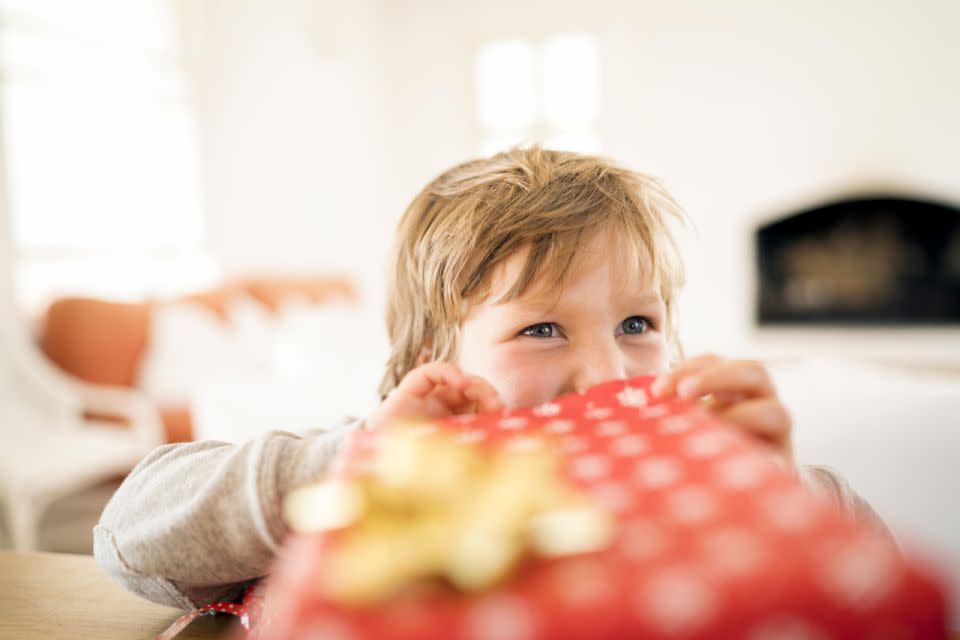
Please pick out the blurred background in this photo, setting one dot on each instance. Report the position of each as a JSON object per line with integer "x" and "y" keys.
{"x": 198, "y": 200}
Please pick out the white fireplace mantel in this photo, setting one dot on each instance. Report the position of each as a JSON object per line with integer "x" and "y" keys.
{"x": 935, "y": 349}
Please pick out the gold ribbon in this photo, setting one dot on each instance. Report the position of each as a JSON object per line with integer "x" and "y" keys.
{"x": 436, "y": 507}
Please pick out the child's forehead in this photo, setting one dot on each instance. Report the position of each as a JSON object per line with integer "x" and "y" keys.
{"x": 629, "y": 265}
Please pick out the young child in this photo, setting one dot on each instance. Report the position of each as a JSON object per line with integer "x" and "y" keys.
{"x": 517, "y": 278}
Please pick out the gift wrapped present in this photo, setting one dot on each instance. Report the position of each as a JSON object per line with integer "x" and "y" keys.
{"x": 605, "y": 514}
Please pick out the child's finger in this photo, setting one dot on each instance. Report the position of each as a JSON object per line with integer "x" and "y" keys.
{"x": 720, "y": 400}
{"x": 749, "y": 378}
{"x": 449, "y": 400}
{"x": 483, "y": 394}
{"x": 666, "y": 382}
{"x": 425, "y": 378}
{"x": 765, "y": 418}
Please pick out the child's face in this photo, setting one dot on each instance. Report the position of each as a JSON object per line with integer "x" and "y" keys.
{"x": 607, "y": 323}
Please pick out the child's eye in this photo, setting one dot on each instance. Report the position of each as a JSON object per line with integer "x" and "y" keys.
{"x": 635, "y": 324}
{"x": 541, "y": 330}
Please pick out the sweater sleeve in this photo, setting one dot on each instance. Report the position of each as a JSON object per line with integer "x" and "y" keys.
{"x": 195, "y": 522}
{"x": 827, "y": 482}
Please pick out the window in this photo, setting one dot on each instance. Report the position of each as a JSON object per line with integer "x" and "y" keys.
{"x": 98, "y": 151}
{"x": 546, "y": 92}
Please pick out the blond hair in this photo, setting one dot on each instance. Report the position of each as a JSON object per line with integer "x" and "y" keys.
{"x": 469, "y": 219}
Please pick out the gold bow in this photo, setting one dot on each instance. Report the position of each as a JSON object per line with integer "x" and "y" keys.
{"x": 435, "y": 506}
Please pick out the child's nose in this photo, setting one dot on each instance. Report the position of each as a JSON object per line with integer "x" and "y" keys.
{"x": 598, "y": 363}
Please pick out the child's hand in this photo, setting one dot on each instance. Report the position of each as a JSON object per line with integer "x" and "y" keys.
{"x": 740, "y": 391}
{"x": 436, "y": 390}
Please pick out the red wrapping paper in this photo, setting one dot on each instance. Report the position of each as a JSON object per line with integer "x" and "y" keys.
{"x": 714, "y": 539}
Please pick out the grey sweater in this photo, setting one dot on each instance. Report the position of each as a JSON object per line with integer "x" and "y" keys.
{"x": 194, "y": 523}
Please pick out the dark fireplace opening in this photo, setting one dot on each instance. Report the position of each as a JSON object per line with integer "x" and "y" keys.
{"x": 866, "y": 261}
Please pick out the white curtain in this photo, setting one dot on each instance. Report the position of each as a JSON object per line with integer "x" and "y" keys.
{"x": 101, "y": 169}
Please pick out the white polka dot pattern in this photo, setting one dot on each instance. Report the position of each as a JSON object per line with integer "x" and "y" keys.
{"x": 655, "y": 473}
{"x": 597, "y": 413}
{"x": 582, "y": 582}
{"x": 676, "y": 424}
{"x": 515, "y": 422}
{"x": 706, "y": 444}
{"x": 611, "y": 428}
{"x": 629, "y": 446}
{"x": 328, "y": 629}
{"x": 787, "y": 628}
{"x": 733, "y": 553}
{"x": 678, "y": 601}
{"x": 692, "y": 505}
{"x": 560, "y": 426}
{"x": 590, "y": 467}
{"x": 500, "y": 617}
{"x": 632, "y": 397}
{"x": 642, "y": 540}
{"x": 472, "y": 436}
{"x": 612, "y": 496}
{"x": 547, "y": 409}
{"x": 706, "y": 520}
{"x": 525, "y": 443}
{"x": 861, "y": 573}
{"x": 745, "y": 471}
{"x": 575, "y": 444}
{"x": 792, "y": 510}
{"x": 655, "y": 411}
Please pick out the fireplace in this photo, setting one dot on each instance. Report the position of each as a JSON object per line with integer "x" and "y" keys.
{"x": 881, "y": 261}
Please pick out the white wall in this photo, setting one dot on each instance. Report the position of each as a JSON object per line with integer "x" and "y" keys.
{"x": 429, "y": 66}
{"x": 750, "y": 109}
{"x": 321, "y": 120}
{"x": 291, "y": 124}
{"x": 746, "y": 110}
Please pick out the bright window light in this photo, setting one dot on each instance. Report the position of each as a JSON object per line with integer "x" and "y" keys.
{"x": 122, "y": 276}
{"x": 101, "y": 175}
{"x": 144, "y": 26}
{"x": 501, "y": 140}
{"x": 571, "y": 83}
{"x": 545, "y": 92}
{"x": 506, "y": 85}
{"x": 89, "y": 171}
{"x": 581, "y": 142}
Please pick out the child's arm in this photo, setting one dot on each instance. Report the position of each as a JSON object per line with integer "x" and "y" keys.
{"x": 193, "y": 522}
{"x": 827, "y": 482}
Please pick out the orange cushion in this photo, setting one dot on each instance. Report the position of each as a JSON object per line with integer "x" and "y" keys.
{"x": 96, "y": 340}
{"x": 177, "y": 424}
{"x": 103, "y": 342}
